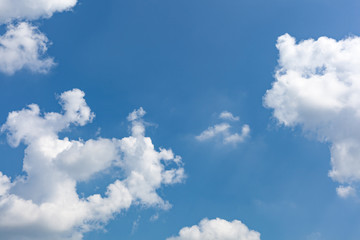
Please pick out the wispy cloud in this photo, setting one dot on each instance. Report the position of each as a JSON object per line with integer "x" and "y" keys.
{"x": 228, "y": 116}
{"x": 345, "y": 191}
{"x": 223, "y": 130}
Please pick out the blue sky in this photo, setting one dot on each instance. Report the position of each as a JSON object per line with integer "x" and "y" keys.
{"x": 186, "y": 62}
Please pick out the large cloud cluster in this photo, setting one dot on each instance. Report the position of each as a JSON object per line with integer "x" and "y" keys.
{"x": 317, "y": 87}
{"x": 23, "y": 46}
{"x": 217, "y": 229}
{"x": 44, "y": 204}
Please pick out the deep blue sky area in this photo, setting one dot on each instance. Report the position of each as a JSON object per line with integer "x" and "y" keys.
{"x": 185, "y": 62}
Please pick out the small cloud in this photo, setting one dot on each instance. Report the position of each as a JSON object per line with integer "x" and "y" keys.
{"x": 228, "y": 116}
{"x": 136, "y": 114}
{"x": 135, "y": 225}
{"x": 24, "y": 46}
{"x": 238, "y": 138}
{"x": 223, "y": 130}
{"x": 32, "y": 9}
{"x": 213, "y": 131}
{"x": 217, "y": 229}
{"x": 98, "y": 132}
{"x": 345, "y": 192}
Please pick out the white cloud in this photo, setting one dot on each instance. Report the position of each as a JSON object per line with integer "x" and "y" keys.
{"x": 32, "y": 9}
{"x": 223, "y": 130}
{"x": 43, "y": 204}
{"x": 213, "y": 131}
{"x": 235, "y": 138}
{"x": 217, "y": 229}
{"x": 228, "y": 116}
{"x": 5, "y": 184}
{"x": 136, "y": 114}
{"x": 317, "y": 87}
{"x": 345, "y": 192}
{"x": 23, "y": 46}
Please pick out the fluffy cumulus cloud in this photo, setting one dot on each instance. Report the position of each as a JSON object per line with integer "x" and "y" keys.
{"x": 22, "y": 45}
{"x": 222, "y": 130}
{"x": 43, "y": 202}
{"x": 32, "y": 9}
{"x": 317, "y": 87}
{"x": 217, "y": 229}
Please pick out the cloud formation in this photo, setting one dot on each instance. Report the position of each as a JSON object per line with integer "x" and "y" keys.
{"x": 223, "y": 130}
{"x": 345, "y": 192}
{"x": 217, "y": 229}
{"x": 23, "y": 45}
{"x": 32, "y": 9}
{"x": 228, "y": 116}
{"x": 317, "y": 88}
{"x": 43, "y": 203}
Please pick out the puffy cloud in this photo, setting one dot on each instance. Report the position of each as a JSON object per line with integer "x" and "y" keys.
{"x": 317, "y": 87}
{"x": 44, "y": 204}
{"x": 136, "y": 114}
{"x": 228, "y": 116}
{"x": 223, "y": 130}
{"x": 23, "y": 46}
{"x": 32, "y": 9}
{"x": 213, "y": 131}
{"x": 217, "y": 229}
